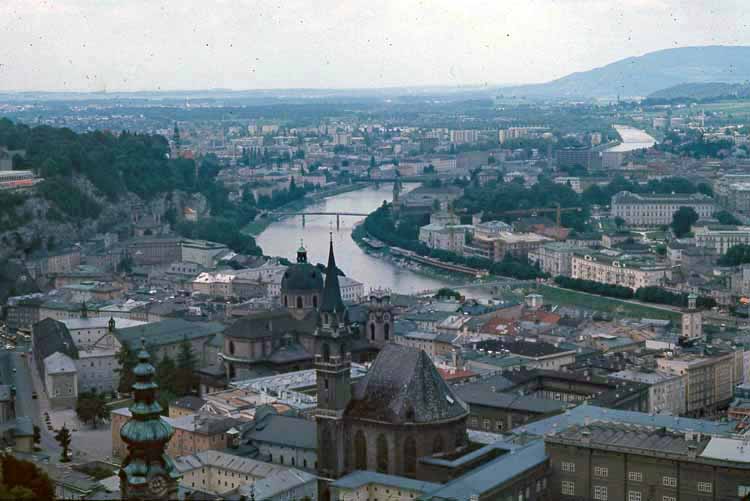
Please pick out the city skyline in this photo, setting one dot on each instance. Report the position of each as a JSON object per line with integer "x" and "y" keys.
{"x": 80, "y": 45}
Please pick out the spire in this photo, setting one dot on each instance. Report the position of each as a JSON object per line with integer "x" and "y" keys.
{"x": 301, "y": 252}
{"x": 332, "y": 302}
{"x": 147, "y": 471}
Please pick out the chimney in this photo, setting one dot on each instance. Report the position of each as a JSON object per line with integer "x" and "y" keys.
{"x": 586, "y": 436}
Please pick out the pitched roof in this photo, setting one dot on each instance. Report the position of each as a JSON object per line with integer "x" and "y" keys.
{"x": 269, "y": 323}
{"x": 285, "y": 430}
{"x": 404, "y": 386}
{"x": 167, "y": 331}
{"x": 50, "y": 336}
{"x": 332, "y": 302}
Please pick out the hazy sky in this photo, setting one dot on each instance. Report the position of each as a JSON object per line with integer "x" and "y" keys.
{"x": 100, "y": 45}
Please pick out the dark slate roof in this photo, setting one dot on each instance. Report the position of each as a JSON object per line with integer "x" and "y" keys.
{"x": 287, "y": 431}
{"x": 302, "y": 277}
{"x": 520, "y": 347}
{"x": 270, "y": 323}
{"x": 481, "y": 394}
{"x": 166, "y": 332}
{"x": 189, "y": 402}
{"x": 403, "y": 386}
{"x": 332, "y": 302}
{"x": 51, "y": 336}
{"x": 293, "y": 352}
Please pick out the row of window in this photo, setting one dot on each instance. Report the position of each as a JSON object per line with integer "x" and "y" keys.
{"x": 600, "y": 491}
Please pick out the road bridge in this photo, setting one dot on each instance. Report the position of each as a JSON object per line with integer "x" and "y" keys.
{"x": 319, "y": 213}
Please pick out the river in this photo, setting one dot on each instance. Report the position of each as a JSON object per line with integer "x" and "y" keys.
{"x": 632, "y": 139}
{"x": 282, "y": 238}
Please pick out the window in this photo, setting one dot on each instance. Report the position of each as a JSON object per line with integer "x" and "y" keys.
{"x": 634, "y": 495}
{"x": 437, "y": 445}
{"x": 381, "y": 448}
{"x": 635, "y": 476}
{"x": 231, "y": 347}
{"x": 600, "y": 492}
{"x": 669, "y": 481}
{"x": 315, "y": 301}
{"x": 568, "y": 467}
{"x": 410, "y": 457}
{"x": 372, "y": 332}
{"x": 486, "y": 424}
{"x": 386, "y": 331}
{"x": 705, "y": 487}
{"x": 360, "y": 451}
{"x": 299, "y": 301}
{"x": 568, "y": 488}
{"x": 668, "y": 498}
{"x": 743, "y": 490}
{"x": 601, "y": 471}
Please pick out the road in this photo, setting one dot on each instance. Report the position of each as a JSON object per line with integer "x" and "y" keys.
{"x": 26, "y": 383}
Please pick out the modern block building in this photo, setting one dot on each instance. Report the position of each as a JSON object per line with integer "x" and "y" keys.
{"x": 607, "y": 461}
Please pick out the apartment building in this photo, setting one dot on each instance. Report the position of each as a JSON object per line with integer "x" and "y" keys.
{"x": 610, "y": 267}
{"x": 444, "y": 237}
{"x": 495, "y": 246}
{"x": 464, "y": 136}
{"x": 666, "y": 390}
{"x": 719, "y": 238}
{"x": 554, "y": 258}
{"x": 654, "y": 210}
{"x": 710, "y": 379}
{"x": 605, "y": 461}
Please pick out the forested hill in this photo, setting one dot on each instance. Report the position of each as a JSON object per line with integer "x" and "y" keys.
{"x": 92, "y": 181}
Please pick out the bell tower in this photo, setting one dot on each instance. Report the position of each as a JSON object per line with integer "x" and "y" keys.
{"x": 147, "y": 473}
{"x": 333, "y": 373}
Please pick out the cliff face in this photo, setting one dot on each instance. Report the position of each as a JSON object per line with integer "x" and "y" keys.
{"x": 40, "y": 225}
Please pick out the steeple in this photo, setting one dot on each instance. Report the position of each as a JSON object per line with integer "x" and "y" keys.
{"x": 301, "y": 252}
{"x": 147, "y": 471}
{"x": 332, "y": 302}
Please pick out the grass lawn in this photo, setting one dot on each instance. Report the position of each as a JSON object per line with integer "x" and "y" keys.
{"x": 600, "y": 303}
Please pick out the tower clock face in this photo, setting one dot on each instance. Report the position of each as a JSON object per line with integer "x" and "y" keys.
{"x": 158, "y": 486}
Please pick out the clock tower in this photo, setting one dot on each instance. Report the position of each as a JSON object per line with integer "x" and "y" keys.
{"x": 147, "y": 473}
{"x": 333, "y": 373}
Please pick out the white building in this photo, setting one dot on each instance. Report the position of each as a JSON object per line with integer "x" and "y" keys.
{"x": 60, "y": 380}
{"x": 666, "y": 393}
{"x": 721, "y": 238}
{"x": 609, "y": 267}
{"x": 86, "y": 331}
{"x": 655, "y": 210}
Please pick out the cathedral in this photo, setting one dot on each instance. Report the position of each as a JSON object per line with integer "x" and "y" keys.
{"x": 283, "y": 339}
{"x": 402, "y": 410}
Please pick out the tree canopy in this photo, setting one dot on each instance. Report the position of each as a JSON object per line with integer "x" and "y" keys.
{"x": 682, "y": 221}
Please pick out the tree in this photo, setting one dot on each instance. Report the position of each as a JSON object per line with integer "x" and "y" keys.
{"x": 91, "y": 407}
{"x": 619, "y": 222}
{"x": 682, "y": 220}
{"x": 726, "y": 217}
{"x": 127, "y": 359}
{"x": 64, "y": 438}
{"x": 21, "y": 478}
{"x": 166, "y": 374}
{"x": 736, "y": 255}
{"x": 186, "y": 365}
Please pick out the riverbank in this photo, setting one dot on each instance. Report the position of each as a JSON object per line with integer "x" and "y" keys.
{"x": 255, "y": 228}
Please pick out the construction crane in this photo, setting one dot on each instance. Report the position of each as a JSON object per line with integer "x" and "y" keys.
{"x": 540, "y": 210}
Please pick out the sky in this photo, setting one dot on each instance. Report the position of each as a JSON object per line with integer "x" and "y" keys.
{"x": 130, "y": 45}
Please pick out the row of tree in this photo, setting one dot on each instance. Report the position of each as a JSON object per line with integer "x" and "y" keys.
{"x": 650, "y": 294}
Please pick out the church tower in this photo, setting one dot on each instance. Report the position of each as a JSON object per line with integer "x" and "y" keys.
{"x": 147, "y": 473}
{"x": 692, "y": 320}
{"x": 332, "y": 369}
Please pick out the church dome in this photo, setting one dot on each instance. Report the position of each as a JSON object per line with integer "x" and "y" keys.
{"x": 302, "y": 276}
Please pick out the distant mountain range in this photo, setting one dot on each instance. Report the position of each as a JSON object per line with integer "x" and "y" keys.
{"x": 699, "y": 91}
{"x": 644, "y": 75}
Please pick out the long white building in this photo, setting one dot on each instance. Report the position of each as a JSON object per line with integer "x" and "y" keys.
{"x": 655, "y": 210}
